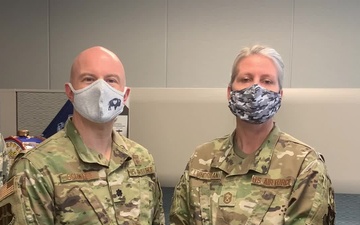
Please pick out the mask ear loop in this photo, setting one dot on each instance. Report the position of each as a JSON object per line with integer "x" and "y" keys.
{"x": 71, "y": 87}
{"x": 82, "y": 89}
{"x": 125, "y": 89}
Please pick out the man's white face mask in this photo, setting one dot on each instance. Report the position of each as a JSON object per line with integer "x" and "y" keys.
{"x": 98, "y": 102}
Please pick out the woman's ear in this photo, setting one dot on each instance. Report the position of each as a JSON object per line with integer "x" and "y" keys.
{"x": 229, "y": 89}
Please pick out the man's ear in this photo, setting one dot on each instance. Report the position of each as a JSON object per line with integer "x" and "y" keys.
{"x": 69, "y": 92}
{"x": 127, "y": 93}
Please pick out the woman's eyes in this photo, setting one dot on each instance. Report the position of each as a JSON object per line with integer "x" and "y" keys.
{"x": 267, "y": 82}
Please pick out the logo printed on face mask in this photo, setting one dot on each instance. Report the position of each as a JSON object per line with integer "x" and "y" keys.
{"x": 254, "y": 104}
{"x": 99, "y": 102}
{"x": 115, "y": 102}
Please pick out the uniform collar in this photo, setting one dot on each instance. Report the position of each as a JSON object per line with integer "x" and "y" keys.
{"x": 227, "y": 160}
{"x": 119, "y": 152}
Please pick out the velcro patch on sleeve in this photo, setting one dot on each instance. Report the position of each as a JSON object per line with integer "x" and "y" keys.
{"x": 6, "y": 215}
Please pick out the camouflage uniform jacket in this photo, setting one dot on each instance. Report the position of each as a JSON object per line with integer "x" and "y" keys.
{"x": 284, "y": 182}
{"x": 63, "y": 182}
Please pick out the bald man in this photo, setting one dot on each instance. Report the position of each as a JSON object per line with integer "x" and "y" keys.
{"x": 86, "y": 173}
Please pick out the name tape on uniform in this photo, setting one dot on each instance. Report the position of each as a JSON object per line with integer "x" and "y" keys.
{"x": 86, "y": 176}
{"x": 205, "y": 174}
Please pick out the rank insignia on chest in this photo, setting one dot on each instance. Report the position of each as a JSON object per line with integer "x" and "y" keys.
{"x": 227, "y": 198}
{"x": 118, "y": 192}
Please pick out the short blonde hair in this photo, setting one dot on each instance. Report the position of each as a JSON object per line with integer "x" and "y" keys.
{"x": 262, "y": 50}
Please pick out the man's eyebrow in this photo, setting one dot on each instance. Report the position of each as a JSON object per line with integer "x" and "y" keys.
{"x": 112, "y": 75}
{"x": 117, "y": 76}
{"x": 86, "y": 74}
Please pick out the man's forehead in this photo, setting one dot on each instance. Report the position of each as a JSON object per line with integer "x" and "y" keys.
{"x": 101, "y": 62}
{"x": 98, "y": 62}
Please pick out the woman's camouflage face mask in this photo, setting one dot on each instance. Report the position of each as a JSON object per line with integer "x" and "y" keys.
{"x": 254, "y": 104}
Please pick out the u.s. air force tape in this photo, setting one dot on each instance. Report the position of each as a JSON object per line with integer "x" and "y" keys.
{"x": 270, "y": 182}
{"x": 134, "y": 172}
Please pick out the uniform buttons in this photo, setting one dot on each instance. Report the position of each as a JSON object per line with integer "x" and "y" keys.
{"x": 30, "y": 218}
{"x": 117, "y": 152}
{"x": 267, "y": 195}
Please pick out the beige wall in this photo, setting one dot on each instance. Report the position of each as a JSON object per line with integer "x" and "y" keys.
{"x": 7, "y": 112}
{"x": 171, "y": 122}
{"x": 173, "y": 43}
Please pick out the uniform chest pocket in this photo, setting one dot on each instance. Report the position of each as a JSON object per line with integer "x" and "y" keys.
{"x": 79, "y": 205}
{"x": 234, "y": 204}
{"x": 134, "y": 200}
